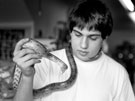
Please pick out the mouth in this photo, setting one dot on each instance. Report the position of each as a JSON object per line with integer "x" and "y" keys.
{"x": 82, "y": 53}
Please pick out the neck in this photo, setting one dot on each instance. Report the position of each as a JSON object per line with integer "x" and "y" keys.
{"x": 96, "y": 56}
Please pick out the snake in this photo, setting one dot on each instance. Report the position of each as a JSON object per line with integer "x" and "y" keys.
{"x": 39, "y": 48}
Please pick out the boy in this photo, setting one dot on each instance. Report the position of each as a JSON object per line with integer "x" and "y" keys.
{"x": 99, "y": 77}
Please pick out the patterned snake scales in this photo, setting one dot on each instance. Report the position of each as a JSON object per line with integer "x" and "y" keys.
{"x": 50, "y": 88}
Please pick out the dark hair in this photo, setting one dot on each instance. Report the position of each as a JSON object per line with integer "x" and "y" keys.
{"x": 92, "y": 13}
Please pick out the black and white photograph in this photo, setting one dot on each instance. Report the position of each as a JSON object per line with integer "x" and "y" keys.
{"x": 67, "y": 50}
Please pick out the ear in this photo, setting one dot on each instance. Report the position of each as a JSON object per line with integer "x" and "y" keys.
{"x": 107, "y": 37}
{"x": 71, "y": 33}
{"x": 105, "y": 47}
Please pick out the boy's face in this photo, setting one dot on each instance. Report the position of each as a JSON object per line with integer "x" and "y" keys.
{"x": 85, "y": 44}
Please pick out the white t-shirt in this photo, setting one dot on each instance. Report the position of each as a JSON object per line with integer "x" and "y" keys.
{"x": 101, "y": 80}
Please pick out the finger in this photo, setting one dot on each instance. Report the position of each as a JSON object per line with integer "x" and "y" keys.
{"x": 23, "y": 57}
{"x": 32, "y": 62}
{"x": 26, "y": 61}
{"x": 24, "y": 52}
{"x": 30, "y": 57}
{"x": 19, "y": 45}
{"x": 29, "y": 64}
{"x": 30, "y": 67}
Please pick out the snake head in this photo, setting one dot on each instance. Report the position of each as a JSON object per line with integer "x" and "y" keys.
{"x": 36, "y": 46}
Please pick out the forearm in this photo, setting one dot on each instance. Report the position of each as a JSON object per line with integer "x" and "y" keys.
{"x": 24, "y": 90}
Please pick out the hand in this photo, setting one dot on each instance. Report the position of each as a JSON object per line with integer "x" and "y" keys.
{"x": 25, "y": 58}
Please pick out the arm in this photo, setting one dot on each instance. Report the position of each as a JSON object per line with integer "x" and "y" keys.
{"x": 25, "y": 59}
{"x": 125, "y": 90}
{"x": 134, "y": 84}
{"x": 25, "y": 90}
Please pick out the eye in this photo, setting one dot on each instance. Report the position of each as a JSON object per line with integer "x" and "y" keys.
{"x": 77, "y": 34}
{"x": 94, "y": 37}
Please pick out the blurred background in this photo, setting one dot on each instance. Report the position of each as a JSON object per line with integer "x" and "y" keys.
{"x": 45, "y": 20}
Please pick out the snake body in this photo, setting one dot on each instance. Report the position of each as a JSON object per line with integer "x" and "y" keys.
{"x": 50, "y": 88}
{"x": 59, "y": 85}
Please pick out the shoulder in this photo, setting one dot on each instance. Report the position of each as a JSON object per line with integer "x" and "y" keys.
{"x": 119, "y": 79}
{"x": 113, "y": 63}
{"x": 115, "y": 67}
{"x": 61, "y": 54}
{"x": 58, "y": 52}
{"x": 44, "y": 72}
{"x": 47, "y": 62}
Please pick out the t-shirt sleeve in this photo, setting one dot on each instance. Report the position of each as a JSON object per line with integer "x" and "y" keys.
{"x": 125, "y": 90}
{"x": 46, "y": 72}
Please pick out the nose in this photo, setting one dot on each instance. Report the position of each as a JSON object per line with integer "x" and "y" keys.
{"x": 84, "y": 43}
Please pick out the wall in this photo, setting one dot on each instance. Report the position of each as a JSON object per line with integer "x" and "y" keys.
{"x": 15, "y": 14}
{"x": 14, "y": 11}
{"x": 118, "y": 36}
{"x": 52, "y": 11}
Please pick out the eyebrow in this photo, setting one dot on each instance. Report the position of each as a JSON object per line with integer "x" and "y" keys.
{"x": 77, "y": 31}
{"x": 88, "y": 35}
